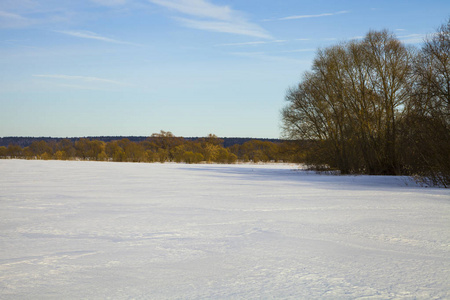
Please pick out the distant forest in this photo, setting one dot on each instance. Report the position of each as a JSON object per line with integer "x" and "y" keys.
{"x": 27, "y": 141}
{"x": 159, "y": 147}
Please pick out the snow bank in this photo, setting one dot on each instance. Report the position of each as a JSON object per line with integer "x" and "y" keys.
{"x": 71, "y": 230}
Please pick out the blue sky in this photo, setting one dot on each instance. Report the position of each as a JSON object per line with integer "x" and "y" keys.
{"x": 193, "y": 67}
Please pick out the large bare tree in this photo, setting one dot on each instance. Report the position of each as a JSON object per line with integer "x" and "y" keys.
{"x": 427, "y": 129}
{"x": 351, "y": 103}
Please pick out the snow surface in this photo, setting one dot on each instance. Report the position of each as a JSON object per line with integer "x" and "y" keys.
{"x": 93, "y": 230}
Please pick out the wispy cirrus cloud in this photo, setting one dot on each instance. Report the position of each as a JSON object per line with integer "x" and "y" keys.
{"x": 357, "y": 37}
{"x": 32, "y": 13}
{"x": 198, "y": 8}
{"x": 93, "y": 36}
{"x": 110, "y": 2}
{"x": 81, "y": 79}
{"x": 295, "y": 17}
{"x": 13, "y": 20}
{"x": 269, "y": 57}
{"x": 8, "y": 15}
{"x": 26, "y": 14}
{"x": 241, "y": 28}
{"x": 300, "y": 50}
{"x": 253, "y": 43}
{"x": 415, "y": 38}
{"x": 204, "y": 15}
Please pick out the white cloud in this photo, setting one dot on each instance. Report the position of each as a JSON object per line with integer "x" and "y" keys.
{"x": 77, "y": 86}
{"x": 268, "y": 57}
{"x": 18, "y": 5}
{"x": 110, "y": 2}
{"x": 26, "y": 14}
{"x": 211, "y": 17}
{"x": 308, "y": 16}
{"x": 300, "y": 50}
{"x": 198, "y": 8}
{"x": 242, "y": 28}
{"x": 93, "y": 36}
{"x": 85, "y": 79}
{"x": 11, "y": 20}
{"x": 7, "y": 15}
{"x": 413, "y": 38}
{"x": 253, "y": 43}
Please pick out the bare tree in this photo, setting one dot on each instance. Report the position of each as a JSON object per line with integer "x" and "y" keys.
{"x": 427, "y": 130}
{"x": 351, "y": 103}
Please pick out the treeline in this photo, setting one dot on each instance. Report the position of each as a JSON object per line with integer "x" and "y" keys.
{"x": 159, "y": 147}
{"x": 27, "y": 141}
{"x": 376, "y": 106}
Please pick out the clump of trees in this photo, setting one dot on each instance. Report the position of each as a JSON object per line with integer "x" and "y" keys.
{"x": 159, "y": 147}
{"x": 376, "y": 106}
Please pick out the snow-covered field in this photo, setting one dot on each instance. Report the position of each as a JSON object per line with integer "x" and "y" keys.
{"x": 93, "y": 230}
